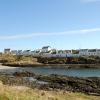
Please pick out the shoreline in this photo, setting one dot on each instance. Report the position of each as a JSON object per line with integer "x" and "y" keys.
{"x": 89, "y": 85}
{"x": 55, "y": 66}
{"x": 6, "y": 67}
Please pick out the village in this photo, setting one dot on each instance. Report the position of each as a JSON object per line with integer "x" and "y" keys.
{"x": 48, "y": 52}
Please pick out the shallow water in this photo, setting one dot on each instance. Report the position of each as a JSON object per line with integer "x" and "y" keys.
{"x": 69, "y": 72}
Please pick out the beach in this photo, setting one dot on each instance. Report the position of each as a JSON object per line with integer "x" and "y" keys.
{"x": 6, "y": 67}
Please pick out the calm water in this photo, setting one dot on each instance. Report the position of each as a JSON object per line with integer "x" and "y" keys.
{"x": 68, "y": 72}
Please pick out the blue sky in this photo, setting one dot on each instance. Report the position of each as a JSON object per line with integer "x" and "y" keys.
{"x": 62, "y": 24}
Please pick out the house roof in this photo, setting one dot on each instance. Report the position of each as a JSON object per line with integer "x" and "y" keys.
{"x": 92, "y": 50}
{"x": 45, "y": 47}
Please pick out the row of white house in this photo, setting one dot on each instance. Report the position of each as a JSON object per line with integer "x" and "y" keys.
{"x": 47, "y": 51}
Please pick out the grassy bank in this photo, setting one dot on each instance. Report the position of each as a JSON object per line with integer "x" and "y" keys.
{"x": 23, "y": 93}
{"x": 67, "y": 62}
{"x": 52, "y": 60}
{"x": 8, "y": 58}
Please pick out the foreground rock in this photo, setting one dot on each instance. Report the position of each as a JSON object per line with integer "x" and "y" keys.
{"x": 90, "y": 85}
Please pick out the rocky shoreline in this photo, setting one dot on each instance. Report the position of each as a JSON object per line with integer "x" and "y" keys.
{"x": 56, "y": 66}
{"x": 90, "y": 85}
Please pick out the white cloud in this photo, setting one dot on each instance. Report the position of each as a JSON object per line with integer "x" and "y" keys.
{"x": 87, "y": 1}
{"x": 74, "y": 32}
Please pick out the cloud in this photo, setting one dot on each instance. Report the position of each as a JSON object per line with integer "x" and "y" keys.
{"x": 31, "y": 35}
{"x": 87, "y": 1}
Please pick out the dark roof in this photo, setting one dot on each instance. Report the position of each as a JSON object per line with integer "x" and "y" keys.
{"x": 7, "y": 49}
{"x": 92, "y": 50}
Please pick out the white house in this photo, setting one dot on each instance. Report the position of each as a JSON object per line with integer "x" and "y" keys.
{"x": 14, "y": 52}
{"x": 92, "y": 52}
{"x": 26, "y": 52}
{"x": 45, "y": 49}
{"x": 19, "y": 52}
{"x": 83, "y": 52}
{"x": 98, "y": 52}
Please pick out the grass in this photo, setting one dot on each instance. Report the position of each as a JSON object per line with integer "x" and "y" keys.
{"x": 13, "y": 59}
{"x": 24, "y": 93}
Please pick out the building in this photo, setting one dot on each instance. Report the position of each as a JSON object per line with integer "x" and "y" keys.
{"x": 19, "y": 52}
{"x": 7, "y": 51}
{"x": 83, "y": 52}
{"x": 14, "y": 52}
{"x": 98, "y": 52}
{"x": 26, "y": 52}
{"x": 92, "y": 52}
{"x": 45, "y": 49}
{"x": 53, "y": 51}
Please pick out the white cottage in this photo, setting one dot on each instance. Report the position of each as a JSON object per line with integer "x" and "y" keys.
{"x": 83, "y": 52}
{"x": 45, "y": 49}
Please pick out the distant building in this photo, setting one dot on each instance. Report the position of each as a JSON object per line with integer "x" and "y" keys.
{"x": 98, "y": 52}
{"x": 14, "y": 52}
{"x": 83, "y": 52}
{"x": 92, "y": 52}
{"x": 89, "y": 52}
{"x": 26, "y": 52}
{"x": 45, "y": 49}
{"x": 7, "y": 51}
{"x": 19, "y": 52}
{"x": 53, "y": 51}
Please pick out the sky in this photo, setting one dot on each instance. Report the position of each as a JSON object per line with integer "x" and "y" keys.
{"x": 62, "y": 24}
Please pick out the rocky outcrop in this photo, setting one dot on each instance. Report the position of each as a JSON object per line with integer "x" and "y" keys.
{"x": 90, "y": 85}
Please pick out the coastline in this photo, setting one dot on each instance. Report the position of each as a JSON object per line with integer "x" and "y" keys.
{"x": 89, "y": 85}
{"x": 6, "y": 67}
{"x": 55, "y": 66}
